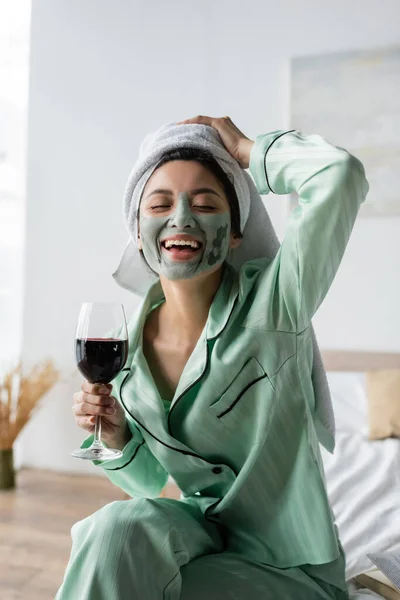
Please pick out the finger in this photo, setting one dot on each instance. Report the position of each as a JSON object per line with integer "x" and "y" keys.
{"x": 95, "y": 400}
{"x": 76, "y": 397}
{"x": 96, "y": 388}
{"x": 86, "y": 409}
{"x": 87, "y": 423}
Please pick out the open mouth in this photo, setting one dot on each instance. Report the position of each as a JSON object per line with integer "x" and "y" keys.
{"x": 179, "y": 246}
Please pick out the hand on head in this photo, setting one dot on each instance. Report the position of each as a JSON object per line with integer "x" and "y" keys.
{"x": 234, "y": 140}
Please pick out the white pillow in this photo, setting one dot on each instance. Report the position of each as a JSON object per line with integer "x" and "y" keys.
{"x": 349, "y": 401}
{"x": 363, "y": 478}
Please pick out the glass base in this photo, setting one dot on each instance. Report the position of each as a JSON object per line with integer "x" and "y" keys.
{"x": 97, "y": 453}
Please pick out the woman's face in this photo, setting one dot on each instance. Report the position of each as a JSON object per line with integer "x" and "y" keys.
{"x": 184, "y": 221}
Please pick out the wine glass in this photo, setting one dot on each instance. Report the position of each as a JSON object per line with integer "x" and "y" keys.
{"x": 101, "y": 349}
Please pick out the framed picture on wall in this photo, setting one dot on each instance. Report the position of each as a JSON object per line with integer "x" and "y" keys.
{"x": 352, "y": 99}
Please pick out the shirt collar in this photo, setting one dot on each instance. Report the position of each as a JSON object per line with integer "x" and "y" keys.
{"x": 220, "y": 310}
{"x": 223, "y": 303}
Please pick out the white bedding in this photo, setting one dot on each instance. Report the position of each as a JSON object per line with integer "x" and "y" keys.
{"x": 363, "y": 480}
{"x": 361, "y": 594}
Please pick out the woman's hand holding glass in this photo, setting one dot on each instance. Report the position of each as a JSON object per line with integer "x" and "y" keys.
{"x": 101, "y": 350}
{"x": 96, "y": 400}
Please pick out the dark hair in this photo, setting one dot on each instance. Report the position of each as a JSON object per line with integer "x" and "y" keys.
{"x": 208, "y": 161}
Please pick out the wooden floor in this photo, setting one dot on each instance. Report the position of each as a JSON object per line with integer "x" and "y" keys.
{"x": 35, "y": 523}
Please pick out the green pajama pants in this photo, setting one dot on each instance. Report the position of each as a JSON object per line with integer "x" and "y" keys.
{"x": 164, "y": 549}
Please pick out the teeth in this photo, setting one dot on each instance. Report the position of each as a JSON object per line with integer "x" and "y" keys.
{"x": 191, "y": 243}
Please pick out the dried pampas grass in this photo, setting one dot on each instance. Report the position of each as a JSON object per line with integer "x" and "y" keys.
{"x": 20, "y": 395}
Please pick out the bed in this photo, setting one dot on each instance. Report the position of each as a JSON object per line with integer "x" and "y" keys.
{"x": 362, "y": 476}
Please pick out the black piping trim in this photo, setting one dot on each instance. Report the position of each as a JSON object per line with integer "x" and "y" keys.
{"x": 305, "y": 328}
{"x": 149, "y": 432}
{"x": 202, "y": 373}
{"x": 241, "y": 394}
{"x": 156, "y": 438}
{"x": 137, "y": 449}
{"x": 187, "y": 389}
{"x": 265, "y": 155}
{"x": 210, "y": 507}
{"x": 129, "y": 461}
{"x": 169, "y": 582}
{"x": 227, "y": 321}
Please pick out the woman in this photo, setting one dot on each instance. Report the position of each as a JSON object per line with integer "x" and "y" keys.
{"x": 217, "y": 390}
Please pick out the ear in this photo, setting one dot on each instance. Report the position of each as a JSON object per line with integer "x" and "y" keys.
{"x": 235, "y": 241}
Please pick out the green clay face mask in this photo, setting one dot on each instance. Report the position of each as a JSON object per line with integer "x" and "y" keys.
{"x": 212, "y": 230}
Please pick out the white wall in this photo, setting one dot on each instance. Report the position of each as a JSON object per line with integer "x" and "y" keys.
{"x": 103, "y": 74}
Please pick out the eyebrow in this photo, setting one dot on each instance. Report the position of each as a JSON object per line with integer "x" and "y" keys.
{"x": 202, "y": 190}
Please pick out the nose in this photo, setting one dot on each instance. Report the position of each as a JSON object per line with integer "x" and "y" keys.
{"x": 182, "y": 217}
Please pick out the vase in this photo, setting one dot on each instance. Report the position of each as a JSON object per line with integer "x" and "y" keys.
{"x": 7, "y": 473}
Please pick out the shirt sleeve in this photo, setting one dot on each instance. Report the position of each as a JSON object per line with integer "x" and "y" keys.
{"x": 331, "y": 185}
{"x": 137, "y": 471}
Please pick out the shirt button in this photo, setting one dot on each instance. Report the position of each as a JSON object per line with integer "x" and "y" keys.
{"x": 217, "y": 470}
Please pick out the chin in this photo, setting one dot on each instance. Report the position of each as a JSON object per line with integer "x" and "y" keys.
{"x": 195, "y": 277}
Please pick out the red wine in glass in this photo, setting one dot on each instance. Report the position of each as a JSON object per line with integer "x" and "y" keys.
{"x": 101, "y": 350}
{"x": 100, "y": 360}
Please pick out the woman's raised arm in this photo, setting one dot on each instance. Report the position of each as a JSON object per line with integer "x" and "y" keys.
{"x": 331, "y": 186}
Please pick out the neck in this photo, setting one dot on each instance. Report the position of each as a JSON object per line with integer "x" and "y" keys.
{"x": 187, "y": 304}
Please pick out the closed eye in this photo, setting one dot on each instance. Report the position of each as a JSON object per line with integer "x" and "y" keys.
{"x": 198, "y": 207}
{"x": 203, "y": 207}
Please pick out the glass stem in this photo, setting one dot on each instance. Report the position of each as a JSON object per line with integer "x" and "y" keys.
{"x": 97, "y": 433}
